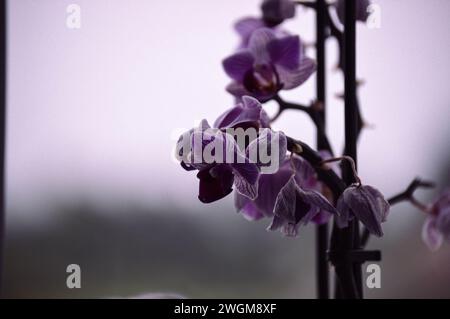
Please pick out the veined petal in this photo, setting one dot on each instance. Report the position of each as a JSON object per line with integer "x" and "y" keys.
{"x": 258, "y": 45}
{"x": 247, "y": 25}
{"x": 315, "y": 199}
{"x": 247, "y": 207}
{"x": 368, "y": 205}
{"x": 304, "y": 173}
{"x": 285, "y": 52}
{"x": 237, "y": 65}
{"x": 298, "y": 207}
{"x": 291, "y": 79}
{"x": 246, "y": 179}
{"x": 270, "y": 186}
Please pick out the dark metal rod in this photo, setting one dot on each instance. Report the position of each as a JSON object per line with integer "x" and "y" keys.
{"x": 351, "y": 235}
{"x": 321, "y": 230}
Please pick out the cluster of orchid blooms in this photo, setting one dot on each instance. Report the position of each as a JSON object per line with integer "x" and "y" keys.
{"x": 267, "y": 61}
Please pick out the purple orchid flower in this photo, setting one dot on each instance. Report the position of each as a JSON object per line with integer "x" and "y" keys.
{"x": 216, "y": 177}
{"x": 276, "y": 11}
{"x": 248, "y": 113}
{"x": 227, "y": 164}
{"x": 289, "y": 197}
{"x": 436, "y": 228}
{"x": 247, "y": 25}
{"x": 268, "y": 65}
{"x": 365, "y": 203}
{"x": 362, "y": 12}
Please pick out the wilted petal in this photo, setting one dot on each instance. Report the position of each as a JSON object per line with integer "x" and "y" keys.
{"x": 243, "y": 184}
{"x": 270, "y": 186}
{"x": 291, "y": 79}
{"x": 285, "y": 52}
{"x": 285, "y": 204}
{"x": 247, "y": 207}
{"x": 344, "y": 217}
{"x": 431, "y": 235}
{"x": 238, "y": 64}
{"x": 305, "y": 175}
{"x": 290, "y": 230}
{"x": 258, "y": 45}
{"x": 277, "y": 223}
{"x": 318, "y": 203}
{"x": 298, "y": 207}
{"x": 368, "y": 205}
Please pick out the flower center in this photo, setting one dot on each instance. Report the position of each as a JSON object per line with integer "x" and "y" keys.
{"x": 262, "y": 79}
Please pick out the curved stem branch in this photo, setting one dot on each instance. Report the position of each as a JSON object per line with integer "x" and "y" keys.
{"x": 352, "y": 164}
{"x": 314, "y": 114}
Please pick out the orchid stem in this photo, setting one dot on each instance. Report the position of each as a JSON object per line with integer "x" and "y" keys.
{"x": 323, "y": 290}
{"x": 345, "y": 240}
{"x": 352, "y": 164}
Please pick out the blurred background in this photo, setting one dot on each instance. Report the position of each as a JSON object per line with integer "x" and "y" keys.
{"x": 93, "y": 115}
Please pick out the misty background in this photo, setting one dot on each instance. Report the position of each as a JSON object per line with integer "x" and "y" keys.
{"x": 93, "y": 115}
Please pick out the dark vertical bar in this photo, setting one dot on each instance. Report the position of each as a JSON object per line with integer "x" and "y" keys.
{"x": 321, "y": 230}
{"x": 2, "y": 131}
{"x": 351, "y": 234}
{"x": 351, "y": 113}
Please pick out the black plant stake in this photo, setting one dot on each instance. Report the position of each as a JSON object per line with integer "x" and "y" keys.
{"x": 322, "y": 143}
{"x": 350, "y": 235}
